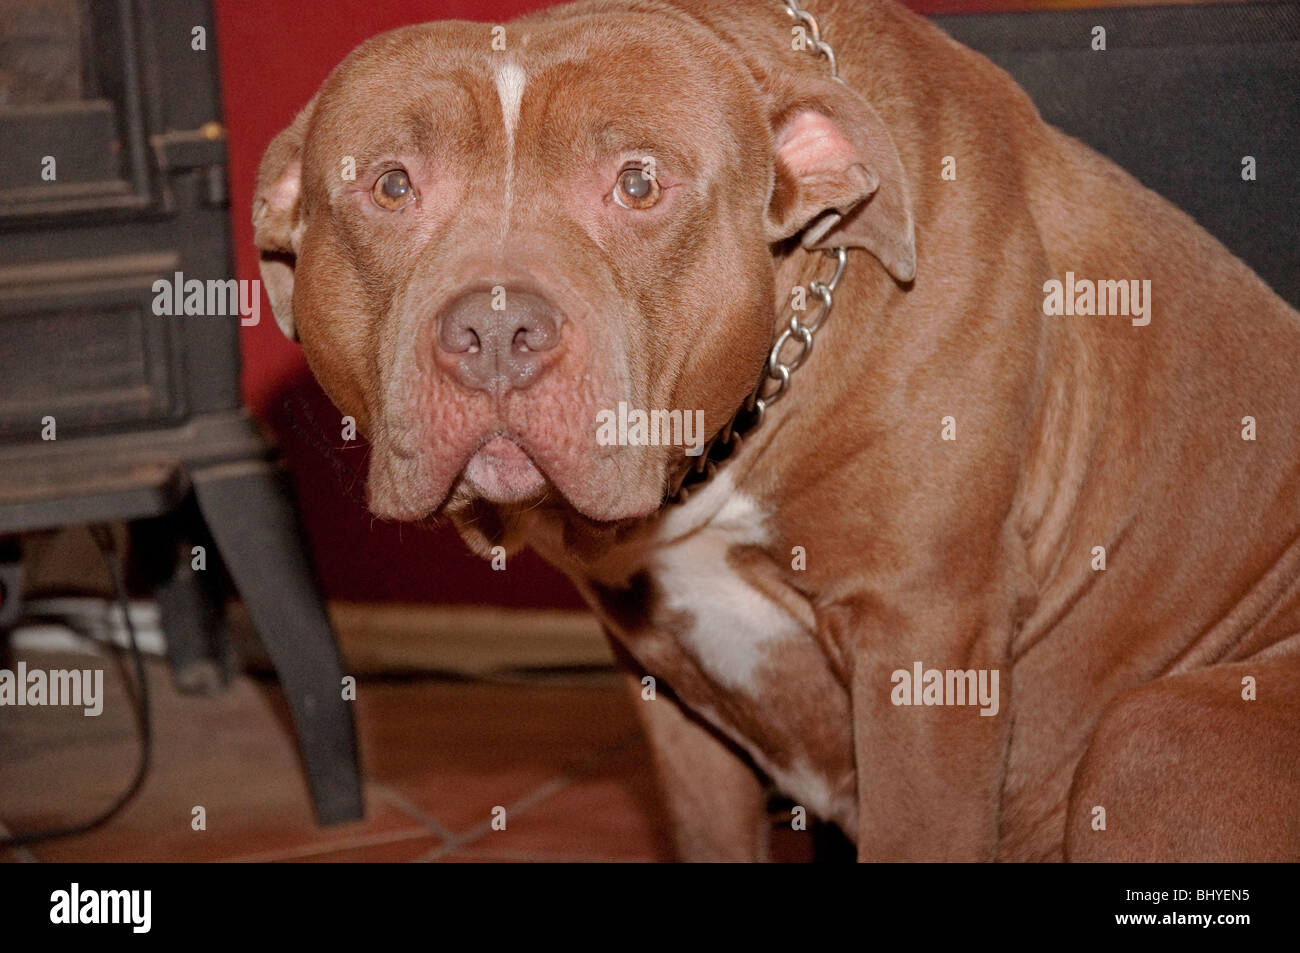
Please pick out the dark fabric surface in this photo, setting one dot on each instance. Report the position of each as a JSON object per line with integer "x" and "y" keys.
{"x": 1178, "y": 97}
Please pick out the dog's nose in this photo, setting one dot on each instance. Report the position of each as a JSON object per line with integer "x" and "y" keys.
{"x": 498, "y": 341}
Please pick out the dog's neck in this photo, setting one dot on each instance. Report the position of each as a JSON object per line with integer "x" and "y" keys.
{"x": 792, "y": 338}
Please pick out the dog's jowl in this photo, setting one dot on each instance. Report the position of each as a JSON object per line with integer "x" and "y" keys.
{"x": 993, "y": 554}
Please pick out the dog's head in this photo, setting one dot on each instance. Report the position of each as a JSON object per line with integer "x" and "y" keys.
{"x": 486, "y": 240}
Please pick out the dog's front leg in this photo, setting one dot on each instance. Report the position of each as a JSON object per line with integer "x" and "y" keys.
{"x": 716, "y": 804}
{"x": 930, "y": 758}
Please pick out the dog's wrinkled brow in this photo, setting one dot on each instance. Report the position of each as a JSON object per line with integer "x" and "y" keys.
{"x": 624, "y": 135}
{"x": 445, "y": 118}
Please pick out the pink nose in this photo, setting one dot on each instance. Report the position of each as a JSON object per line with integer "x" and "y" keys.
{"x": 498, "y": 342}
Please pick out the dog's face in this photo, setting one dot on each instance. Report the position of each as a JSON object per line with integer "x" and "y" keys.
{"x": 482, "y": 250}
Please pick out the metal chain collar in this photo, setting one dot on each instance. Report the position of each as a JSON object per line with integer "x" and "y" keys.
{"x": 775, "y": 379}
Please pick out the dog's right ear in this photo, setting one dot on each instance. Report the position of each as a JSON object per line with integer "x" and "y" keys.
{"x": 838, "y": 176}
{"x": 277, "y": 220}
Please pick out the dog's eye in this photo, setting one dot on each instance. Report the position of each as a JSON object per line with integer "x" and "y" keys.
{"x": 393, "y": 190}
{"x": 636, "y": 188}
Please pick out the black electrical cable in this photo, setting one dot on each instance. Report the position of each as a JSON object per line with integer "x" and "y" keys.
{"x": 104, "y": 539}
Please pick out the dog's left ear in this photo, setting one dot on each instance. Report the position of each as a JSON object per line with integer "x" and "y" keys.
{"x": 838, "y": 177}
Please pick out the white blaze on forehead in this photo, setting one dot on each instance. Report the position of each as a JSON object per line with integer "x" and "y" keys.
{"x": 510, "y": 87}
{"x": 510, "y": 80}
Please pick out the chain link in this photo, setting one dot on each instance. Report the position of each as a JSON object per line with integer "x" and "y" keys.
{"x": 775, "y": 379}
{"x": 801, "y": 332}
{"x": 809, "y": 22}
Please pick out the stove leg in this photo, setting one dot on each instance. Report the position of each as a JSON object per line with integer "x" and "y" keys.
{"x": 11, "y": 594}
{"x": 191, "y": 600}
{"x": 250, "y": 513}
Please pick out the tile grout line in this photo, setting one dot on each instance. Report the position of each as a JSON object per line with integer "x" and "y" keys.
{"x": 534, "y": 797}
{"x": 530, "y": 800}
{"x": 397, "y": 800}
{"x": 300, "y": 853}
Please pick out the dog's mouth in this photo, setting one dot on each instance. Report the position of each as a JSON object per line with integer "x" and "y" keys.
{"x": 445, "y": 463}
{"x": 501, "y": 471}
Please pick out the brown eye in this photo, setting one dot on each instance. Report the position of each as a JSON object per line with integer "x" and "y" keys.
{"x": 636, "y": 188}
{"x": 393, "y": 190}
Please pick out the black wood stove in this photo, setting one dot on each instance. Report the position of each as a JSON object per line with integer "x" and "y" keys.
{"x": 112, "y": 181}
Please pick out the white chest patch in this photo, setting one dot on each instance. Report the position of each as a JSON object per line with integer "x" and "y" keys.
{"x": 734, "y": 623}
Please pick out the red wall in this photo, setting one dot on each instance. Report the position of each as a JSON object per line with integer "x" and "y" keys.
{"x": 274, "y": 54}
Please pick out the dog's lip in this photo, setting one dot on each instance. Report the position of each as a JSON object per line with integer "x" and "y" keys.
{"x": 507, "y": 449}
{"x": 502, "y": 470}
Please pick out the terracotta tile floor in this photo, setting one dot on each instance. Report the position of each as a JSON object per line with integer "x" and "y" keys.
{"x": 565, "y": 760}
{"x": 563, "y": 756}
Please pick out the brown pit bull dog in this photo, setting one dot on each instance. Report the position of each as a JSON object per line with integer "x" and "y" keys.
{"x": 1012, "y": 568}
